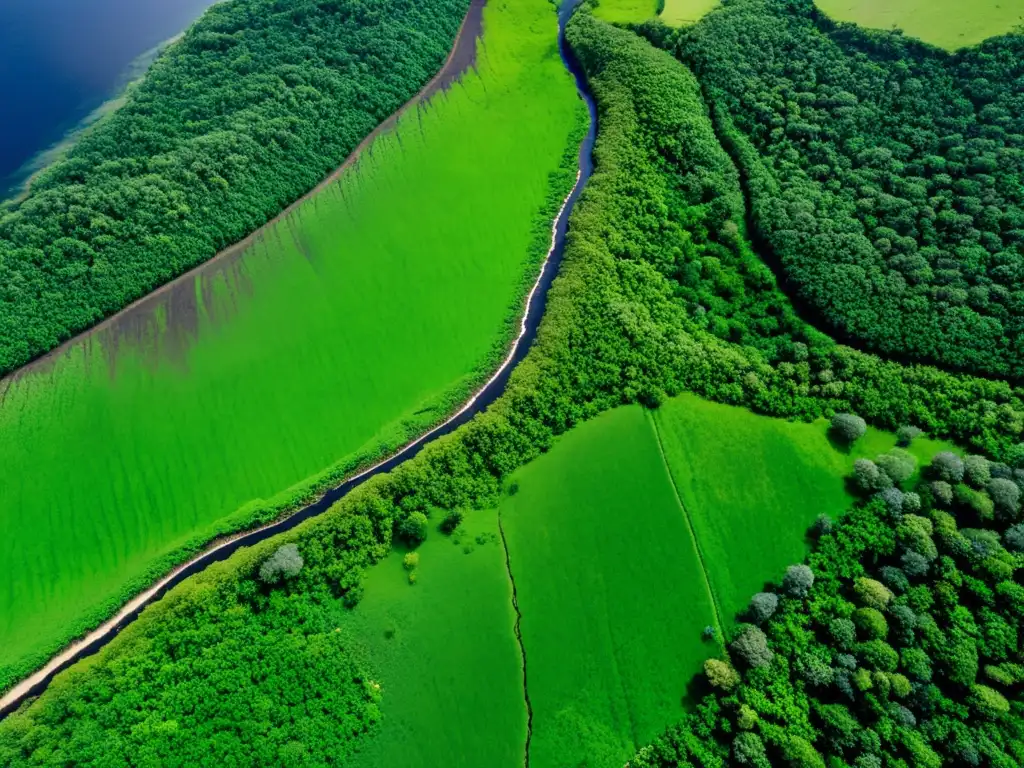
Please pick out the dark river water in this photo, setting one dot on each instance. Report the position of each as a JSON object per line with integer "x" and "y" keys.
{"x": 60, "y": 59}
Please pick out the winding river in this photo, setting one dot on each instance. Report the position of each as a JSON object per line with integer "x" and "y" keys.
{"x": 480, "y": 400}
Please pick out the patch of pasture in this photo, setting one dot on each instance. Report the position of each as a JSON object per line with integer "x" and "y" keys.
{"x": 444, "y": 653}
{"x": 345, "y": 328}
{"x": 754, "y": 485}
{"x": 626, "y": 11}
{"x": 679, "y": 12}
{"x": 611, "y": 592}
{"x": 949, "y": 24}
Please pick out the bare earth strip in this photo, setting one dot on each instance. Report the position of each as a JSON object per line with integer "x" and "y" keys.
{"x": 457, "y": 63}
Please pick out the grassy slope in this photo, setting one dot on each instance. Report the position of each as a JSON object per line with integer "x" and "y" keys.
{"x": 376, "y": 299}
{"x": 445, "y": 655}
{"x": 678, "y": 12}
{"x": 949, "y": 24}
{"x": 611, "y": 592}
{"x": 753, "y": 486}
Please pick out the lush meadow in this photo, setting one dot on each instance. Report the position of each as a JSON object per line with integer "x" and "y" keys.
{"x": 443, "y": 652}
{"x": 753, "y": 486}
{"x": 626, "y": 11}
{"x": 611, "y": 591}
{"x": 948, "y": 24}
{"x": 345, "y": 328}
{"x": 679, "y": 12}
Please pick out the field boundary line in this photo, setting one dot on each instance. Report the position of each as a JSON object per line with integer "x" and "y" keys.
{"x": 715, "y": 608}
{"x": 517, "y": 629}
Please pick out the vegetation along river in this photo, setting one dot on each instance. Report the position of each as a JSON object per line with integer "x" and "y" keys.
{"x": 487, "y": 394}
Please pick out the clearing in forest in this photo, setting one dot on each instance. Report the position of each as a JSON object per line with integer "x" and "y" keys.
{"x": 675, "y": 12}
{"x": 949, "y": 24}
{"x": 611, "y": 592}
{"x": 354, "y": 322}
{"x": 680, "y": 12}
{"x": 754, "y": 485}
{"x": 444, "y": 652}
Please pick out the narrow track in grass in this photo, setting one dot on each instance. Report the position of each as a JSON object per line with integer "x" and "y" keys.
{"x": 719, "y": 624}
{"x": 533, "y": 311}
{"x": 519, "y": 639}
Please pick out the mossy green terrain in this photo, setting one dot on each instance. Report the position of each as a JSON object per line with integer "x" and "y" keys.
{"x": 754, "y": 485}
{"x": 444, "y": 654}
{"x": 948, "y": 24}
{"x": 679, "y": 12}
{"x": 626, "y": 11}
{"x": 343, "y": 329}
{"x": 611, "y": 592}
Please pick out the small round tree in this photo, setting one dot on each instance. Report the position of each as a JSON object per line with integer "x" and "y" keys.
{"x": 798, "y": 580}
{"x": 721, "y": 675}
{"x": 947, "y": 466}
{"x": 1014, "y": 538}
{"x": 848, "y": 428}
{"x": 763, "y": 606}
{"x": 752, "y": 647}
{"x": 868, "y": 477}
{"x": 413, "y": 529}
{"x": 906, "y": 435}
{"x": 1006, "y": 497}
{"x": 897, "y": 464}
{"x": 285, "y": 563}
{"x": 977, "y": 471}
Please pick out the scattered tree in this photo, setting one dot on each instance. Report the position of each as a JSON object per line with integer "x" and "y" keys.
{"x": 285, "y": 563}
{"x": 848, "y": 428}
{"x": 798, "y": 580}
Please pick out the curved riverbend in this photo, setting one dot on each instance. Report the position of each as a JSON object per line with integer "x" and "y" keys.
{"x": 534, "y": 306}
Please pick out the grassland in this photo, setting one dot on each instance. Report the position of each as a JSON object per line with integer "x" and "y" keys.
{"x": 611, "y": 592}
{"x": 753, "y": 485}
{"x": 626, "y": 11}
{"x": 346, "y": 327}
{"x": 444, "y": 653}
{"x": 679, "y": 12}
{"x": 948, "y": 24}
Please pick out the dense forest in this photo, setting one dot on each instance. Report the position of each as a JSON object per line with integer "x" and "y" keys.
{"x": 256, "y": 104}
{"x": 883, "y": 174}
{"x": 897, "y": 644}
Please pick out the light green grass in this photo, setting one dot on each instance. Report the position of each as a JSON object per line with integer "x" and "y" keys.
{"x": 949, "y": 24}
{"x": 349, "y": 325}
{"x": 626, "y": 11}
{"x": 444, "y": 653}
{"x": 753, "y": 486}
{"x": 679, "y": 12}
{"x": 611, "y": 592}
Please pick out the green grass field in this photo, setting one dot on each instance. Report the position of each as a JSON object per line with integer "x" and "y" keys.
{"x": 626, "y": 11}
{"x": 754, "y": 485}
{"x": 679, "y": 12}
{"x": 444, "y": 653}
{"x": 611, "y": 591}
{"x": 347, "y": 326}
{"x": 949, "y": 24}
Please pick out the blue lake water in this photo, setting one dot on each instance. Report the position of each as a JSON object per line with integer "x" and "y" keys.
{"x": 60, "y": 59}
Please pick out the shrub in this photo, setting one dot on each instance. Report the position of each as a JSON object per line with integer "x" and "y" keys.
{"x": 721, "y": 675}
{"x": 843, "y": 633}
{"x": 942, "y": 493}
{"x": 798, "y": 580}
{"x": 917, "y": 664}
{"x": 762, "y": 606}
{"x": 911, "y": 503}
{"x": 413, "y": 529}
{"x": 897, "y": 464}
{"x": 902, "y": 716}
{"x": 868, "y": 477}
{"x": 871, "y": 623}
{"x": 977, "y": 471}
{"x": 879, "y": 654}
{"x": 873, "y": 594}
{"x": 895, "y": 579}
{"x": 848, "y": 428}
{"x": 906, "y": 435}
{"x": 285, "y": 563}
{"x": 752, "y": 646}
{"x": 1014, "y": 538}
{"x": 1006, "y": 497}
{"x": 988, "y": 702}
{"x": 411, "y": 561}
{"x": 893, "y": 500}
{"x": 822, "y": 525}
{"x": 947, "y": 466}
{"x": 746, "y": 718}
{"x": 915, "y": 565}
{"x": 451, "y": 521}
{"x": 748, "y": 749}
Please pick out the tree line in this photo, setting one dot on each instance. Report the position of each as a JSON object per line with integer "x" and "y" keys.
{"x": 253, "y": 107}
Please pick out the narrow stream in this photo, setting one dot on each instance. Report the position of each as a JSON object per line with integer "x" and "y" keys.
{"x": 491, "y": 391}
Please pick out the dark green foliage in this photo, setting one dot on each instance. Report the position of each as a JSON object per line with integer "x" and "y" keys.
{"x": 885, "y": 175}
{"x": 413, "y": 528}
{"x": 256, "y": 104}
{"x": 906, "y": 435}
{"x": 751, "y": 646}
{"x": 451, "y": 521}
